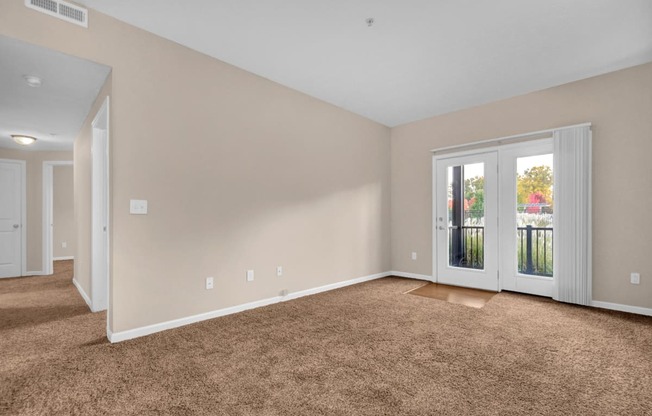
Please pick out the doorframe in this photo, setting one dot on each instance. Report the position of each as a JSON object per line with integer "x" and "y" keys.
{"x": 23, "y": 213}
{"x": 48, "y": 212}
{"x": 100, "y": 200}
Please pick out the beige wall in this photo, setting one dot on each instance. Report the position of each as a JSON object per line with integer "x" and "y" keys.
{"x": 34, "y": 166}
{"x": 240, "y": 173}
{"x": 618, "y": 104}
{"x": 63, "y": 212}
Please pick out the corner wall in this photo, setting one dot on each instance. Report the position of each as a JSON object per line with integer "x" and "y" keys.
{"x": 619, "y": 105}
{"x": 240, "y": 173}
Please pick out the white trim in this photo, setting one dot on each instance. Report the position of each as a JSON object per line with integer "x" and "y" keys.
{"x": 622, "y": 308}
{"x": 48, "y": 211}
{"x": 505, "y": 140}
{"x": 82, "y": 292}
{"x": 63, "y": 258}
{"x": 175, "y": 323}
{"x": 36, "y": 273}
{"x": 411, "y": 275}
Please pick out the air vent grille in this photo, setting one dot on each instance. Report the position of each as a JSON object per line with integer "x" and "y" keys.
{"x": 61, "y": 9}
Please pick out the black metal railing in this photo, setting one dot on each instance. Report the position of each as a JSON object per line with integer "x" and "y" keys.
{"x": 466, "y": 246}
{"x": 534, "y": 250}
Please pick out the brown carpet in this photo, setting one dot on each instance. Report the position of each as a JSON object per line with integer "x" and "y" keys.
{"x": 367, "y": 349}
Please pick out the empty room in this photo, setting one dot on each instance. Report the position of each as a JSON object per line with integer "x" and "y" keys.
{"x": 325, "y": 207}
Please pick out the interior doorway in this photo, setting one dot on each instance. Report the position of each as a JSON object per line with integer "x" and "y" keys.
{"x": 49, "y": 214}
{"x": 493, "y": 218}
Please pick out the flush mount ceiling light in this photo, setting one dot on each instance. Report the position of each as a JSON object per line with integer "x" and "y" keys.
{"x": 33, "y": 81}
{"x": 24, "y": 140}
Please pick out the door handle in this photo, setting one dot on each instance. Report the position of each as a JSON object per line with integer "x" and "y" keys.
{"x": 16, "y": 226}
{"x": 441, "y": 227}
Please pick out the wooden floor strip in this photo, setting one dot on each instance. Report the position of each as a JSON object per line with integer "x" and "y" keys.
{"x": 473, "y": 298}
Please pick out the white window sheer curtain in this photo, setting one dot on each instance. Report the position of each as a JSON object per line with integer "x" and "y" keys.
{"x": 572, "y": 220}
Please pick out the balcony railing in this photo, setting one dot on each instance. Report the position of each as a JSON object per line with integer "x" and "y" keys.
{"x": 534, "y": 248}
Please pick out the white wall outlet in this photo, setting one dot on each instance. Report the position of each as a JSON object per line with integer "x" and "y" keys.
{"x": 209, "y": 283}
{"x": 64, "y": 245}
{"x": 279, "y": 270}
{"x": 138, "y": 206}
{"x": 250, "y": 275}
{"x": 414, "y": 255}
{"x": 635, "y": 278}
{"x": 284, "y": 292}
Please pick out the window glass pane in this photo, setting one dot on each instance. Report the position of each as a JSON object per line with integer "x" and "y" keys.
{"x": 534, "y": 213}
{"x": 466, "y": 215}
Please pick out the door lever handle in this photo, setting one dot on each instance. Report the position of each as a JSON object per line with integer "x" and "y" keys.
{"x": 441, "y": 227}
{"x": 16, "y": 226}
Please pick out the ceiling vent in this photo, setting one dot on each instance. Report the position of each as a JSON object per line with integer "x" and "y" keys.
{"x": 61, "y": 9}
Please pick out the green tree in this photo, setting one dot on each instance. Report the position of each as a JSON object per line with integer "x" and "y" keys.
{"x": 537, "y": 179}
{"x": 474, "y": 193}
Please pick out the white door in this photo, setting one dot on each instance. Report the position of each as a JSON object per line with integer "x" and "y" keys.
{"x": 11, "y": 185}
{"x": 466, "y": 223}
{"x": 99, "y": 243}
{"x": 526, "y": 214}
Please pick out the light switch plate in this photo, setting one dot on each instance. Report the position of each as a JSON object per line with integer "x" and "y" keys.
{"x": 138, "y": 206}
{"x": 250, "y": 275}
{"x": 635, "y": 278}
{"x": 209, "y": 283}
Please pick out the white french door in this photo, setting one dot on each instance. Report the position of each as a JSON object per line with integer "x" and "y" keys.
{"x": 526, "y": 216}
{"x": 493, "y": 218}
{"x": 466, "y": 221}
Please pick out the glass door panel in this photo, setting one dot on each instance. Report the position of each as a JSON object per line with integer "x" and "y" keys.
{"x": 467, "y": 221}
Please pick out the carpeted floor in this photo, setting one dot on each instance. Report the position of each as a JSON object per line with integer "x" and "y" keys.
{"x": 367, "y": 349}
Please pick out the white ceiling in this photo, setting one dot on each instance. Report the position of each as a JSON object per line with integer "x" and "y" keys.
{"x": 53, "y": 113}
{"x": 421, "y": 58}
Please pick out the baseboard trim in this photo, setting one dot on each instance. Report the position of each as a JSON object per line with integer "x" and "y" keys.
{"x": 622, "y": 308}
{"x": 64, "y": 258}
{"x": 83, "y": 294}
{"x": 411, "y": 275}
{"x": 175, "y": 323}
{"x": 39, "y": 273}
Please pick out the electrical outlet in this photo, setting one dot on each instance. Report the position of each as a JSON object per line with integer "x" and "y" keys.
{"x": 279, "y": 270}
{"x": 250, "y": 275}
{"x": 64, "y": 245}
{"x": 635, "y": 278}
{"x": 209, "y": 283}
{"x": 414, "y": 255}
{"x": 284, "y": 292}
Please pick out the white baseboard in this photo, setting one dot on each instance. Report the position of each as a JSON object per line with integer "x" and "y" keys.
{"x": 39, "y": 273}
{"x": 83, "y": 294}
{"x": 175, "y": 323}
{"x": 411, "y": 275}
{"x": 64, "y": 258}
{"x": 623, "y": 308}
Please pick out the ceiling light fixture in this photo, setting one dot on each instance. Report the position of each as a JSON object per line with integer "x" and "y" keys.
{"x": 33, "y": 81}
{"x": 24, "y": 140}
